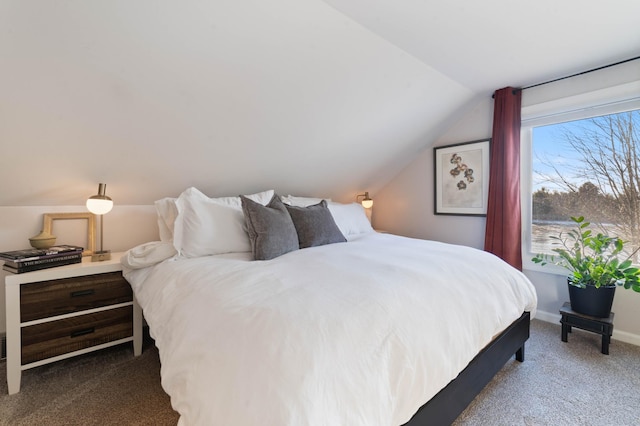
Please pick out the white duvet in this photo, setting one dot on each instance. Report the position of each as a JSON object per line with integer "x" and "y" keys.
{"x": 361, "y": 333}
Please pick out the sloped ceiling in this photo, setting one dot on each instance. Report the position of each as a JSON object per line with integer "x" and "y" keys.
{"x": 310, "y": 97}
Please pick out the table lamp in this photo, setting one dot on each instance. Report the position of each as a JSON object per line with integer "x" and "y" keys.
{"x": 100, "y": 205}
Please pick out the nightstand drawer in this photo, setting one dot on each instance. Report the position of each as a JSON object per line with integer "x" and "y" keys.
{"x": 55, "y": 338}
{"x": 56, "y": 297}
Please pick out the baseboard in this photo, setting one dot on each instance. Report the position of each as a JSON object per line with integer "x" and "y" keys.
{"x": 621, "y": 336}
{"x": 547, "y": 317}
{"x": 3, "y": 346}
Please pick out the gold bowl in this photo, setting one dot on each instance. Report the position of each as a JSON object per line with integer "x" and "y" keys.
{"x": 43, "y": 240}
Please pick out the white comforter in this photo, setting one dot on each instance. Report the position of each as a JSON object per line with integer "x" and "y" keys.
{"x": 358, "y": 334}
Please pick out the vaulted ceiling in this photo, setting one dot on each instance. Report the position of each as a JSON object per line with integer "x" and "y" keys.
{"x": 305, "y": 96}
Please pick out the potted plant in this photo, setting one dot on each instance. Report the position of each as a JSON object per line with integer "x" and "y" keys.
{"x": 597, "y": 265}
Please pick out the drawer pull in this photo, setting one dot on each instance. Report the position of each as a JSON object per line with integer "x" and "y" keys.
{"x": 81, "y": 293}
{"x": 83, "y": 332}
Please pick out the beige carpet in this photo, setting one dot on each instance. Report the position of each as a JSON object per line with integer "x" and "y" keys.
{"x": 558, "y": 384}
{"x": 562, "y": 384}
{"x": 108, "y": 387}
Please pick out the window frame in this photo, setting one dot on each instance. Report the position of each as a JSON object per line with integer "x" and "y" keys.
{"x": 611, "y": 100}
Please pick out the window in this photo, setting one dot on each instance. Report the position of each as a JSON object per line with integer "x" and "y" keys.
{"x": 581, "y": 160}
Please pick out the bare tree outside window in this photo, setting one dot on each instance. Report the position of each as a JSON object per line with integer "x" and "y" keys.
{"x": 589, "y": 168}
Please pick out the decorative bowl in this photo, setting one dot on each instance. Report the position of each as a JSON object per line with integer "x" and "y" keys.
{"x": 43, "y": 240}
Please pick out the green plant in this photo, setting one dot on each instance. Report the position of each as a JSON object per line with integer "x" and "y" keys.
{"x": 592, "y": 259}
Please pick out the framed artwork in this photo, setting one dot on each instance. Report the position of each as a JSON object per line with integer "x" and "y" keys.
{"x": 90, "y": 246}
{"x": 462, "y": 178}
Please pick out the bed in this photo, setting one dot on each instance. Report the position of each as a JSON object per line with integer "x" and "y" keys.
{"x": 375, "y": 329}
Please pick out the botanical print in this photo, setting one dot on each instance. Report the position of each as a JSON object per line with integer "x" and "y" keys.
{"x": 461, "y": 187}
{"x": 459, "y": 168}
{"x": 461, "y": 173}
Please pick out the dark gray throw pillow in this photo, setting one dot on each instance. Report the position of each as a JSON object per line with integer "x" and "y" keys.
{"x": 270, "y": 228}
{"x": 315, "y": 225}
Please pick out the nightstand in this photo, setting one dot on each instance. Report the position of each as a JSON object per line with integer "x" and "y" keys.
{"x": 61, "y": 312}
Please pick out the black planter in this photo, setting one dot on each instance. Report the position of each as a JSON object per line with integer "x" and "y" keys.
{"x": 592, "y": 301}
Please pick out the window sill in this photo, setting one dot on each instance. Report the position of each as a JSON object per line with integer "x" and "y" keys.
{"x": 528, "y": 265}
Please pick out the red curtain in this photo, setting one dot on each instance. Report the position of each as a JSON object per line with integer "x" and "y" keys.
{"x": 503, "y": 236}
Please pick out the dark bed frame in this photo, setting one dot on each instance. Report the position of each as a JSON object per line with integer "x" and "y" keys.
{"x": 451, "y": 401}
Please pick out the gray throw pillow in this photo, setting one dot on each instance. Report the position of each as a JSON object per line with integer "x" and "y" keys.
{"x": 270, "y": 228}
{"x": 315, "y": 225}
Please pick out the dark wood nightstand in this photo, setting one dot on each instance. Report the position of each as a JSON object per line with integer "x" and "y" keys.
{"x": 603, "y": 326}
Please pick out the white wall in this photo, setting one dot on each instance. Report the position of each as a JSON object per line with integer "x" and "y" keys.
{"x": 405, "y": 205}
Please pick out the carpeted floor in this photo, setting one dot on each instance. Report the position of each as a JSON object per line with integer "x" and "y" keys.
{"x": 108, "y": 387}
{"x": 558, "y": 384}
{"x": 562, "y": 384}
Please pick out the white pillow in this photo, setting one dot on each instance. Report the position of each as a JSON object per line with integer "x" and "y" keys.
{"x": 350, "y": 218}
{"x": 206, "y": 226}
{"x": 167, "y": 213}
{"x": 302, "y": 201}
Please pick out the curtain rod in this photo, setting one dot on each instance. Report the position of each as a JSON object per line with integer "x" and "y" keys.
{"x": 576, "y": 75}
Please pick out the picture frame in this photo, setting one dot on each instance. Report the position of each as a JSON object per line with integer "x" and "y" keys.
{"x": 461, "y": 178}
{"x": 90, "y": 247}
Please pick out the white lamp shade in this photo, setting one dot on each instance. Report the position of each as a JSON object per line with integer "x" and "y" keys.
{"x": 99, "y": 206}
{"x": 367, "y": 203}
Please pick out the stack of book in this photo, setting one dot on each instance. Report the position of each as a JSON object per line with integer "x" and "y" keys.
{"x": 19, "y": 261}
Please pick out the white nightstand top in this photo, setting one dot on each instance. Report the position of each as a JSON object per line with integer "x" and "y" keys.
{"x": 86, "y": 267}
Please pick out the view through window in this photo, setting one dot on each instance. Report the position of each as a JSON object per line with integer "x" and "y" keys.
{"x": 591, "y": 168}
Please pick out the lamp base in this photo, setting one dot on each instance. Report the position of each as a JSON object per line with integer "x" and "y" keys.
{"x": 99, "y": 256}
